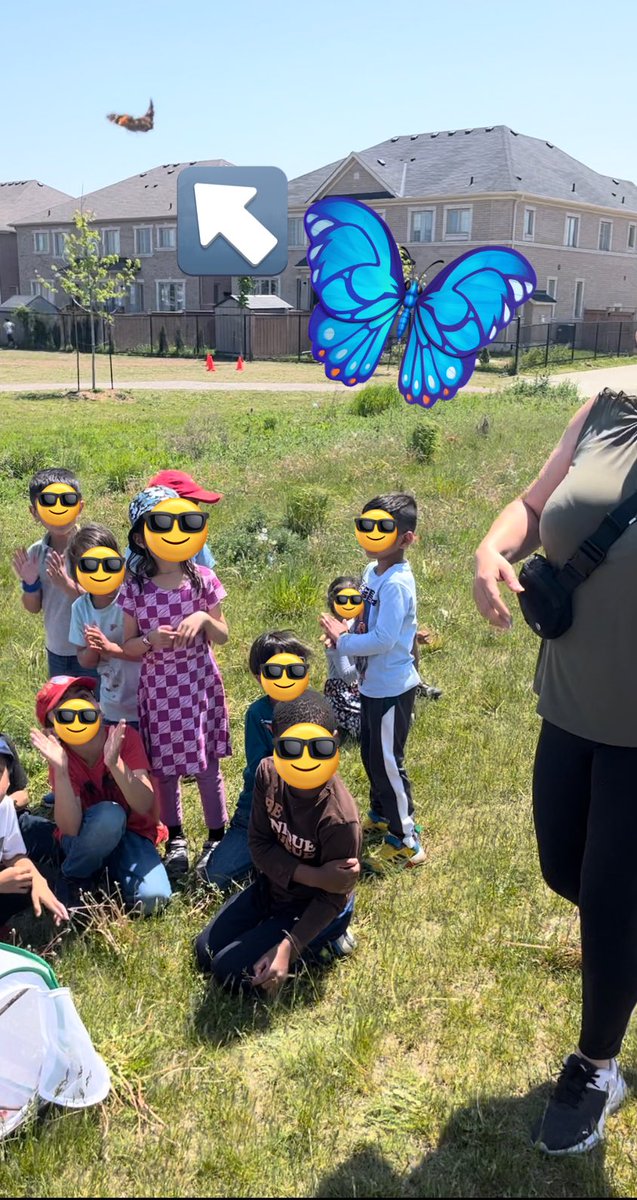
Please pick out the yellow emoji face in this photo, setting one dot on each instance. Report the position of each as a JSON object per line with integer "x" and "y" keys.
{"x": 176, "y": 529}
{"x": 100, "y": 570}
{"x": 376, "y": 531}
{"x": 58, "y": 505}
{"x": 284, "y": 676}
{"x": 76, "y": 721}
{"x": 348, "y": 603}
{"x": 306, "y": 756}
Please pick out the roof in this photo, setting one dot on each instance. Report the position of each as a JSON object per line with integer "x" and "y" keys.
{"x": 540, "y": 297}
{"x": 150, "y": 194}
{"x": 19, "y": 198}
{"x": 37, "y": 302}
{"x": 258, "y": 302}
{"x": 486, "y": 159}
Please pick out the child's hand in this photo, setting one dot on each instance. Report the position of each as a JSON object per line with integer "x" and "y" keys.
{"x": 41, "y": 895}
{"x": 271, "y": 971}
{"x": 16, "y": 879}
{"x": 162, "y": 638}
{"x": 50, "y": 748}
{"x": 57, "y": 572}
{"x": 113, "y": 745}
{"x": 423, "y": 637}
{"x": 26, "y": 568}
{"x": 332, "y": 627}
{"x": 339, "y": 876}
{"x": 96, "y": 640}
{"x": 189, "y": 629}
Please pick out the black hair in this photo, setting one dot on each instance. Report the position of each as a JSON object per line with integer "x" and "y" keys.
{"x": 87, "y": 538}
{"x": 5, "y": 763}
{"x": 73, "y": 687}
{"x": 277, "y": 641}
{"x": 337, "y": 585}
{"x": 310, "y": 708}
{"x": 142, "y": 565}
{"x": 43, "y": 479}
{"x": 401, "y": 506}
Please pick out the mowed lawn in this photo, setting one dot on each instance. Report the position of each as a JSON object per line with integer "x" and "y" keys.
{"x": 416, "y": 1067}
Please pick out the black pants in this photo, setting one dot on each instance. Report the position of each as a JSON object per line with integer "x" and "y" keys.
{"x": 585, "y": 807}
{"x": 385, "y": 724}
{"x": 12, "y": 903}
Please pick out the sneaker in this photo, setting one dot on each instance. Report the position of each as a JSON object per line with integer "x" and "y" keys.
{"x": 395, "y": 853}
{"x": 201, "y": 870}
{"x": 176, "y": 858}
{"x": 425, "y": 691}
{"x": 341, "y": 947}
{"x": 584, "y": 1096}
{"x": 374, "y": 824}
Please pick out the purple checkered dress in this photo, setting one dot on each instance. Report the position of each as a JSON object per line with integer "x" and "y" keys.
{"x": 182, "y": 706}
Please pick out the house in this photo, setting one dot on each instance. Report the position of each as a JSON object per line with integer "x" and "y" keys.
{"x": 444, "y": 193}
{"x": 18, "y": 199}
{"x": 236, "y": 332}
{"x": 137, "y": 218}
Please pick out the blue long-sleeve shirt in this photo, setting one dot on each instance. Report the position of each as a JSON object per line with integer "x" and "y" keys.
{"x": 390, "y": 608}
{"x": 258, "y": 745}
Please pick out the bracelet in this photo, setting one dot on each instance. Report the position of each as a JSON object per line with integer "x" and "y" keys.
{"x": 146, "y": 642}
{"x": 32, "y": 587}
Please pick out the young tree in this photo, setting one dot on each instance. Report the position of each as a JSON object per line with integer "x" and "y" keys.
{"x": 89, "y": 277}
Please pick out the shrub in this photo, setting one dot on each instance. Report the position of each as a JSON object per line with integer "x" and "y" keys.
{"x": 291, "y": 595}
{"x": 423, "y": 441}
{"x": 179, "y": 342}
{"x": 485, "y": 357}
{"x": 541, "y": 388}
{"x": 162, "y": 344}
{"x": 374, "y": 399}
{"x": 537, "y": 357}
{"x": 305, "y": 510}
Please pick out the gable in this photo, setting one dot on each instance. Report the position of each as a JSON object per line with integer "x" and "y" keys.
{"x": 353, "y": 178}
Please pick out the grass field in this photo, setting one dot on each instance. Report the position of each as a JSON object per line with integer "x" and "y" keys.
{"x": 416, "y": 1067}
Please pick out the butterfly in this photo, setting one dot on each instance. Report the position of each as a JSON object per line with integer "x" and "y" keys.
{"x": 356, "y": 270}
{"x": 134, "y": 124}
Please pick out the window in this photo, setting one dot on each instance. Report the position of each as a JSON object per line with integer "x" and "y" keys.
{"x": 143, "y": 241}
{"x": 529, "y": 224}
{"x": 59, "y": 244}
{"x": 551, "y": 287}
{"x": 458, "y": 223}
{"x": 571, "y": 232}
{"x": 41, "y": 241}
{"x": 578, "y": 305}
{"x": 267, "y": 287}
{"x": 296, "y": 232}
{"x": 170, "y": 296}
{"x": 631, "y": 236}
{"x": 422, "y": 225}
{"x": 166, "y": 237}
{"x": 110, "y": 241}
{"x": 136, "y": 298}
{"x": 605, "y": 234}
{"x": 40, "y": 289}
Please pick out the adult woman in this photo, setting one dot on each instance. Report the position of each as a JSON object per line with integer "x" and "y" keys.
{"x": 585, "y": 777}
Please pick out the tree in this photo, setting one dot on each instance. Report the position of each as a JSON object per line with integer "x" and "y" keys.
{"x": 89, "y": 277}
{"x": 246, "y": 288}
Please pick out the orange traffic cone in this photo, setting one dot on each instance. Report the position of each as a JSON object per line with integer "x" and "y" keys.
{"x": 240, "y": 364}
{"x": 210, "y": 363}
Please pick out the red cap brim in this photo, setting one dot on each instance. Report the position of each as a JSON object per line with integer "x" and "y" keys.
{"x": 203, "y": 495}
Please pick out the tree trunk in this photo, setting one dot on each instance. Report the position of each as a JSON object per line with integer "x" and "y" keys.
{"x": 92, "y": 319}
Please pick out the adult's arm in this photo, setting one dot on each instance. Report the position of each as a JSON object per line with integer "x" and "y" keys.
{"x": 516, "y": 531}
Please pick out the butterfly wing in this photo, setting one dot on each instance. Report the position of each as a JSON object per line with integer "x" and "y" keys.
{"x": 134, "y": 124}
{"x": 457, "y": 315}
{"x": 357, "y": 275}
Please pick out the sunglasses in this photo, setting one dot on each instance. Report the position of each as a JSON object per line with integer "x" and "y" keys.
{"x": 113, "y": 564}
{"x": 66, "y": 716}
{"x": 278, "y": 670}
{"x": 368, "y": 524}
{"x": 188, "y": 522}
{"x": 343, "y": 600}
{"x": 50, "y": 499}
{"x": 320, "y": 747}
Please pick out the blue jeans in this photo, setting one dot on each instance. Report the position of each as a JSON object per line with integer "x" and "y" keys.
{"x": 231, "y": 862}
{"x": 103, "y": 843}
{"x": 69, "y": 664}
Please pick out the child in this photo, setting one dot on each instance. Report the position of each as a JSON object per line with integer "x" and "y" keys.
{"x": 389, "y": 679}
{"x": 172, "y": 616}
{"x": 341, "y": 685}
{"x": 305, "y": 844}
{"x": 20, "y": 881}
{"x": 230, "y": 862}
{"x": 18, "y": 783}
{"x": 97, "y": 627}
{"x": 185, "y": 486}
{"x": 105, "y": 814}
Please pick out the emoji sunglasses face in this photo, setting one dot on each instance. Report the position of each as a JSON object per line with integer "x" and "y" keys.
{"x": 348, "y": 603}
{"x": 376, "y": 531}
{"x": 76, "y": 721}
{"x": 284, "y": 676}
{"x": 100, "y": 571}
{"x": 175, "y": 530}
{"x": 58, "y": 505}
{"x": 306, "y": 756}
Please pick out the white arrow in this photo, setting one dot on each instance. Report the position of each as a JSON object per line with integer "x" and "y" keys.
{"x": 221, "y": 212}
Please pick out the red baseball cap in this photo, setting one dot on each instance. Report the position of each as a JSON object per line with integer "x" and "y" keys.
{"x": 184, "y": 485}
{"x": 50, "y": 695}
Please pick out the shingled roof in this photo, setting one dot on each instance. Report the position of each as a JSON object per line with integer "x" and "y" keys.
{"x": 20, "y": 197}
{"x": 151, "y": 194}
{"x": 486, "y": 159}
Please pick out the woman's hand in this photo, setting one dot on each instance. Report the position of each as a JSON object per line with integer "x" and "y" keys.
{"x": 491, "y": 569}
{"x": 26, "y": 568}
{"x": 162, "y": 638}
{"x": 190, "y": 629}
{"x": 50, "y": 748}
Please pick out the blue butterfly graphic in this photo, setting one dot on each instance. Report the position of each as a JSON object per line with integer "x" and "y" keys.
{"x": 357, "y": 273}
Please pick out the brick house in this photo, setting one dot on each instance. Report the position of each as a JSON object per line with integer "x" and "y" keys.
{"x": 444, "y": 193}
{"x": 19, "y": 199}
{"x": 137, "y": 218}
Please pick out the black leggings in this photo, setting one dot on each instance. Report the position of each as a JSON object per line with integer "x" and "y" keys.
{"x": 585, "y": 807}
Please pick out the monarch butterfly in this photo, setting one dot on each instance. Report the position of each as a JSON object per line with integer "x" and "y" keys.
{"x": 135, "y": 124}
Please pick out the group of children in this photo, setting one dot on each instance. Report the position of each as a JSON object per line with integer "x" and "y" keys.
{"x": 135, "y": 703}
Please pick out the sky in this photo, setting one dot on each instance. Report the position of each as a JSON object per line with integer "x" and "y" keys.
{"x": 299, "y": 84}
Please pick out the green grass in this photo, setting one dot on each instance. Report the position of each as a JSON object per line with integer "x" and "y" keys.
{"x": 415, "y": 1068}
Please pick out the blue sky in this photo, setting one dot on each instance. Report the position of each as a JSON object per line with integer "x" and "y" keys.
{"x": 297, "y": 85}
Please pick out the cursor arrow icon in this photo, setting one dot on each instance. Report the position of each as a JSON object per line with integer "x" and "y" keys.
{"x": 221, "y": 212}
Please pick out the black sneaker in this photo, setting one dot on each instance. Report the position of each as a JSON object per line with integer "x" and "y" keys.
{"x": 576, "y": 1113}
{"x": 201, "y": 870}
{"x": 176, "y": 858}
{"x": 426, "y": 691}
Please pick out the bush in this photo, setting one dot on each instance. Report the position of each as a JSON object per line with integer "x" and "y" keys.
{"x": 536, "y": 357}
{"x": 423, "y": 441}
{"x": 305, "y": 510}
{"x": 374, "y": 399}
{"x": 485, "y": 357}
{"x": 162, "y": 344}
{"x": 541, "y": 388}
{"x": 179, "y": 342}
{"x": 291, "y": 595}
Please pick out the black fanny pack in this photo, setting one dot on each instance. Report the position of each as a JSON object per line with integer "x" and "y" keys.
{"x": 547, "y": 599}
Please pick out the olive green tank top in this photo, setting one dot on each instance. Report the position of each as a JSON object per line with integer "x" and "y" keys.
{"x": 587, "y": 679}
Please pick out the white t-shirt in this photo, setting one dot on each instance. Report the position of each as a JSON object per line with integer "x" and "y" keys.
{"x": 119, "y": 678}
{"x": 11, "y": 841}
